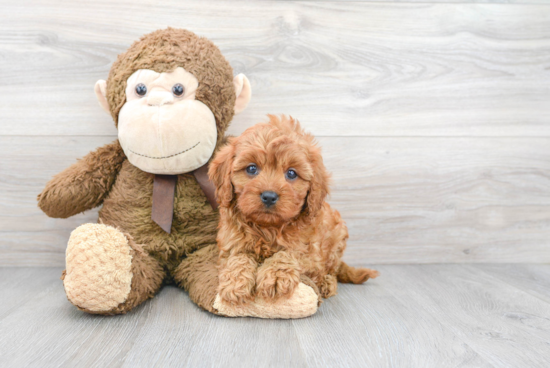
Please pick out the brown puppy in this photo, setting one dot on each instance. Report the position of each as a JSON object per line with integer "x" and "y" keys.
{"x": 274, "y": 222}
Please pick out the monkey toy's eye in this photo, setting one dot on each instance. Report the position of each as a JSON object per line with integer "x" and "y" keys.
{"x": 178, "y": 89}
{"x": 141, "y": 90}
{"x": 291, "y": 174}
{"x": 252, "y": 169}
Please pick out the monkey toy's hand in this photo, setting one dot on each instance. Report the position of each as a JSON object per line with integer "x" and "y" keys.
{"x": 83, "y": 185}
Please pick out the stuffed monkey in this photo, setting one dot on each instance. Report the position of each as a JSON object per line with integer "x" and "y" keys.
{"x": 172, "y": 96}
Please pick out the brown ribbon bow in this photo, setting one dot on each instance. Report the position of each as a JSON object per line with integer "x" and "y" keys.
{"x": 164, "y": 190}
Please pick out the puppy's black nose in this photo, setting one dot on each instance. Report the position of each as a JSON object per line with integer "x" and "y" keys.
{"x": 269, "y": 198}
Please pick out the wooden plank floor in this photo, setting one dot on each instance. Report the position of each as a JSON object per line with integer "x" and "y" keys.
{"x": 412, "y": 316}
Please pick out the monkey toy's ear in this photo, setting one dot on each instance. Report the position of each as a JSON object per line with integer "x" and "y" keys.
{"x": 101, "y": 94}
{"x": 243, "y": 92}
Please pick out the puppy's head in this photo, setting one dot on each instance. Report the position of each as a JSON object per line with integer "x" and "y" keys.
{"x": 273, "y": 173}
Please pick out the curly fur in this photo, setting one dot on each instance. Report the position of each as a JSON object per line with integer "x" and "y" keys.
{"x": 265, "y": 251}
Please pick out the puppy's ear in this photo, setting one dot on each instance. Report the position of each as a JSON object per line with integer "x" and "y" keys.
{"x": 219, "y": 173}
{"x": 319, "y": 184}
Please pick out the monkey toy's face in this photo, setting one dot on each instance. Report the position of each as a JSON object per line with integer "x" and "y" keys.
{"x": 162, "y": 127}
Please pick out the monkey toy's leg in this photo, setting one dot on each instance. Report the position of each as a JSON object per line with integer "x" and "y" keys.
{"x": 107, "y": 273}
{"x": 198, "y": 274}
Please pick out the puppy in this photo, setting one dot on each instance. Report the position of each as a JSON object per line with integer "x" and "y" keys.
{"x": 276, "y": 230}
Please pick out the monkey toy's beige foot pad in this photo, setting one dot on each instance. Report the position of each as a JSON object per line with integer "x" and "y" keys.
{"x": 303, "y": 303}
{"x": 99, "y": 261}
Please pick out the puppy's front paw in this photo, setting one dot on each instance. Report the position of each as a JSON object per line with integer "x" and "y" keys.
{"x": 237, "y": 281}
{"x": 274, "y": 282}
{"x": 234, "y": 294}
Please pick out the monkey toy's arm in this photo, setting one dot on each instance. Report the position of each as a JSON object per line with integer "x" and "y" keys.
{"x": 83, "y": 185}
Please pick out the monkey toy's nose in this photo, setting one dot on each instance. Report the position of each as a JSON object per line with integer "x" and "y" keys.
{"x": 269, "y": 198}
{"x": 159, "y": 98}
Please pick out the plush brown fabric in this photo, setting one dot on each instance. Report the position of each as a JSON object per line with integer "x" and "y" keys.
{"x": 128, "y": 207}
{"x": 83, "y": 185}
{"x": 148, "y": 276}
{"x": 106, "y": 177}
{"x": 163, "y": 51}
{"x": 198, "y": 274}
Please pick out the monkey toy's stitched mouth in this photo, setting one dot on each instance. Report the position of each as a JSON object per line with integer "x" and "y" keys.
{"x": 160, "y": 158}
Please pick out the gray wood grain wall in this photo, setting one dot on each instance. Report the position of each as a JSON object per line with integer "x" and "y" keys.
{"x": 434, "y": 117}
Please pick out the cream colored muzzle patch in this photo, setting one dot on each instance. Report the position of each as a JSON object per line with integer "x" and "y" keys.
{"x": 161, "y": 130}
{"x": 303, "y": 303}
{"x": 99, "y": 268}
{"x": 172, "y": 138}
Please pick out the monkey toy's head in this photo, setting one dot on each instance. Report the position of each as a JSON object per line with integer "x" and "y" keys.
{"x": 172, "y": 95}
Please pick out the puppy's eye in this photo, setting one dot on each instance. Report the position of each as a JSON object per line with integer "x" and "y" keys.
{"x": 291, "y": 174}
{"x": 141, "y": 90}
{"x": 178, "y": 89}
{"x": 252, "y": 169}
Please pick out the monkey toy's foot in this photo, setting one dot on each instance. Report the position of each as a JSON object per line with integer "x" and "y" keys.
{"x": 198, "y": 274}
{"x": 101, "y": 264}
{"x": 99, "y": 268}
{"x": 303, "y": 303}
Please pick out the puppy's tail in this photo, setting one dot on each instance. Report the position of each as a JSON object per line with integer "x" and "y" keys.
{"x": 347, "y": 274}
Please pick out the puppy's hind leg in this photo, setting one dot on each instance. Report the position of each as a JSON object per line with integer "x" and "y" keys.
{"x": 348, "y": 274}
{"x": 328, "y": 286}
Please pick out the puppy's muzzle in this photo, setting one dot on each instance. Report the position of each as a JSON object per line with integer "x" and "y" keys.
{"x": 269, "y": 198}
